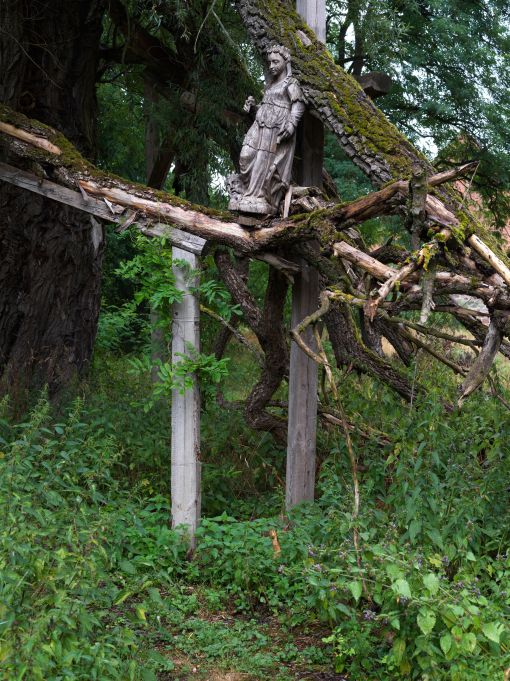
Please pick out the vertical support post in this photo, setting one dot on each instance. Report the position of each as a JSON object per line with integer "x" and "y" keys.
{"x": 314, "y": 13}
{"x": 300, "y": 483}
{"x": 185, "y": 468}
{"x": 185, "y": 448}
{"x": 303, "y": 374}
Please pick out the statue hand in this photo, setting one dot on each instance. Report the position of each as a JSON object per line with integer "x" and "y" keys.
{"x": 249, "y": 104}
{"x": 286, "y": 132}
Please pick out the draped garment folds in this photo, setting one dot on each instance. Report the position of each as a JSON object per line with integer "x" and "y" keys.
{"x": 266, "y": 161}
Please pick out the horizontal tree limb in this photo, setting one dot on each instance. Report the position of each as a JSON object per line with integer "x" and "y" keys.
{"x": 88, "y": 204}
{"x": 70, "y": 169}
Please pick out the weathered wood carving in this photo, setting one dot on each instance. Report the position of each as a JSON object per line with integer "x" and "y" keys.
{"x": 268, "y": 148}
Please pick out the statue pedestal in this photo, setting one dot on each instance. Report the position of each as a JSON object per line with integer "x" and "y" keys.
{"x": 255, "y": 221}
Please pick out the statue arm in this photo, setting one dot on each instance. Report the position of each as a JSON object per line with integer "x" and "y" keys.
{"x": 297, "y": 102}
{"x": 297, "y": 109}
{"x": 296, "y": 112}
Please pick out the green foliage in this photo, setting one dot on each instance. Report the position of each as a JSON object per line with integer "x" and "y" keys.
{"x": 150, "y": 269}
{"x": 66, "y": 530}
{"x": 181, "y": 375}
{"x": 95, "y": 584}
{"x": 448, "y": 60}
{"x": 121, "y": 137}
{"x": 153, "y": 291}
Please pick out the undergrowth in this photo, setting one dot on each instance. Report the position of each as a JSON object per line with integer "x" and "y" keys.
{"x": 95, "y": 585}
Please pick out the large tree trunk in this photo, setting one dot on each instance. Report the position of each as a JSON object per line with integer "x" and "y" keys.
{"x": 50, "y": 255}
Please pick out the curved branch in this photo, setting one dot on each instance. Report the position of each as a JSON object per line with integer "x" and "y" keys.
{"x": 267, "y": 324}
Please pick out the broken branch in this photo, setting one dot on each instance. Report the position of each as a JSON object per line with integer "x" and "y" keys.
{"x": 483, "y": 362}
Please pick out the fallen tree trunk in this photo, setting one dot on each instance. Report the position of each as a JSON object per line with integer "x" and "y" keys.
{"x": 65, "y": 176}
{"x": 58, "y": 160}
{"x": 365, "y": 134}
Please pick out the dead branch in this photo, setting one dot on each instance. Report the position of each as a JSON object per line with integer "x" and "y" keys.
{"x": 488, "y": 254}
{"x": 427, "y": 286}
{"x": 483, "y": 362}
{"x": 422, "y": 257}
{"x": 34, "y": 140}
{"x": 29, "y": 140}
{"x": 367, "y": 263}
{"x": 372, "y": 304}
{"x": 430, "y": 350}
{"x": 429, "y": 331}
{"x": 417, "y": 208}
{"x": 350, "y": 351}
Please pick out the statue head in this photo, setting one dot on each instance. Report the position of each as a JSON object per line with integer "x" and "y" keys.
{"x": 279, "y": 59}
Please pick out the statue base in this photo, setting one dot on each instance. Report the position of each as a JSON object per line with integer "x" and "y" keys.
{"x": 257, "y": 206}
{"x": 254, "y": 221}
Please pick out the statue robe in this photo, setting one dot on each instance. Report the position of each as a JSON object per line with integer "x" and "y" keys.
{"x": 266, "y": 163}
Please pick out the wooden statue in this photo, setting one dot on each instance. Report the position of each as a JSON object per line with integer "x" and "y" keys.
{"x": 268, "y": 148}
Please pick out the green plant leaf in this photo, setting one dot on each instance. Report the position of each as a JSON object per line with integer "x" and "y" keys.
{"x": 356, "y": 589}
{"x": 493, "y": 631}
{"x": 435, "y": 536}
{"x": 399, "y": 649}
{"x": 401, "y": 588}
{"x": 127, "y": 567}
{"x": 468, "y": 642}
{"x": 426, "y": 620}
{"x": 140, "y": 613}
{"x": 446, "y": 643}
{"x": 125, "y": 593}
{"x": 414, "y": 529}
{"x": 431, "y": 582}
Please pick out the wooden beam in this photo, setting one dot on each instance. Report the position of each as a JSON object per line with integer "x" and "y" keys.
{"x": 185, "y": 450}
{"x": 110, "y": 212}
{"x": 303, "y": 370}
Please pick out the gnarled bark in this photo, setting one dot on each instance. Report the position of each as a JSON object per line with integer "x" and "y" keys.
{"x": 267, "y": 324}
{"x": 50, "y": 254}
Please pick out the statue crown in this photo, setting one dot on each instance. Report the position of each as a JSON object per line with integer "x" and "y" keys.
{"x": 279, "y": 49}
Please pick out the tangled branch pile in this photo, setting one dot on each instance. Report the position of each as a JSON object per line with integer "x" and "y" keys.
{"x": 364, "y": 292}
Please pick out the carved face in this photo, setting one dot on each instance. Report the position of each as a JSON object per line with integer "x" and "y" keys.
{"x": 277, "y": 64}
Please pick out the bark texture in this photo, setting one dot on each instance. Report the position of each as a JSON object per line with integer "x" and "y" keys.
{"x": 367, "y": 137}
{"x": 50, "y": 255}
{"x": 267, "y": 324}
{"x": 351, "y": 275}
